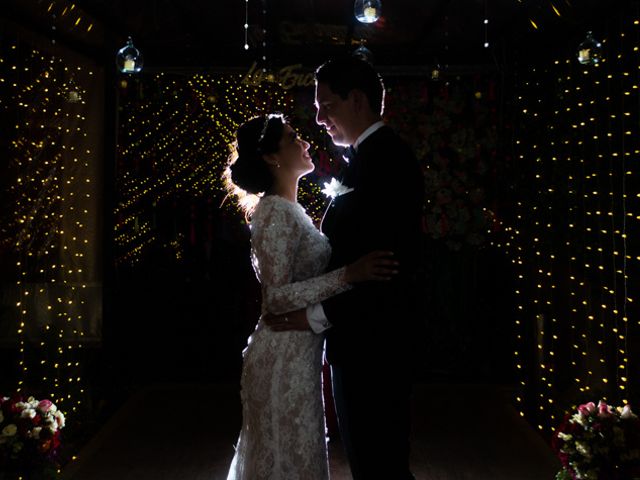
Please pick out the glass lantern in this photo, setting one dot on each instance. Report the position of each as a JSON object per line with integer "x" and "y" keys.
{"x": 367, "y": 11}
{"x": 589, "y": 51}
{"x": 436, "y": 72}
{"x": 129, "y": 59}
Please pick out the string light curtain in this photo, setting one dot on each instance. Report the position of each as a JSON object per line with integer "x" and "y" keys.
{"x": 174, "y": 137}
{"x": 51, "y": 105}
{"x": 574, "y": 241}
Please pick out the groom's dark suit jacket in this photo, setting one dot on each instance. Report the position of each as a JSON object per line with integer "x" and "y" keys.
{"x": 375, "y": 320}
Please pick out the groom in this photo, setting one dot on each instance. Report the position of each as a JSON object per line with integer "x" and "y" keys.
{"x": 369, "y": 340}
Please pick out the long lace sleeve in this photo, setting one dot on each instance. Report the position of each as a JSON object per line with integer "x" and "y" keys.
{"x": 275, "y": 240}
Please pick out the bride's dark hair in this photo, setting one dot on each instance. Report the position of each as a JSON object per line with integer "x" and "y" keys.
{"x": 248, "y": 176}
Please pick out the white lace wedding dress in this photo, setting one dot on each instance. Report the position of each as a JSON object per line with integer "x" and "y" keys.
{"x": 283, "y": 434}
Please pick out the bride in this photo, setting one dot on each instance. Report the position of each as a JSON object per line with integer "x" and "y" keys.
{"x": 283, "y": 432}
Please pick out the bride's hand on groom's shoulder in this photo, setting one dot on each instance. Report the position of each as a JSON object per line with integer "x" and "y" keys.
{"x": 296, "y": 320}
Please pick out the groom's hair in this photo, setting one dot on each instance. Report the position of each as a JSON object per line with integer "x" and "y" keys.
{"x": 347, "y": 73}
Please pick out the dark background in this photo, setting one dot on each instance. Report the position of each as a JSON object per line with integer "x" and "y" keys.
{"x": 181, "y": 312}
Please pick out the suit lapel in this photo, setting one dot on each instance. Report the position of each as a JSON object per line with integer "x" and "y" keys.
{"x": 350, "y": 176}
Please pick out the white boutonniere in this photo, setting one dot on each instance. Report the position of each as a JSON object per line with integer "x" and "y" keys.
{"x": 335, "y": 188}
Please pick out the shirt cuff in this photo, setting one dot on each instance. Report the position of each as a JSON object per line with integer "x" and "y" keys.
{"x": 317, "y": 319}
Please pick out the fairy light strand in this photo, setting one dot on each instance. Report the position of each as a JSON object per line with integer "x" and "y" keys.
{"x": 486, "y": 24}
{"x": 264, "y": 36}
{"x": 591, "y": 148}
{"x": 51, "y": 207}
{"x": 175, "y": 131}
{"x": 246, "y": 24}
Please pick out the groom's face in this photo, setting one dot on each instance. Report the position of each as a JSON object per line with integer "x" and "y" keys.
{"x": 335, "y": 114}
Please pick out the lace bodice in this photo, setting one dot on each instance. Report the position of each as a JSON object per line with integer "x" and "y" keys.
{"x": 288, "y": 253}
{"x": 283, "y": 435}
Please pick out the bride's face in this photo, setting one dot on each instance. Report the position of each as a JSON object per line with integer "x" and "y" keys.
{"x": 293, "y": 153}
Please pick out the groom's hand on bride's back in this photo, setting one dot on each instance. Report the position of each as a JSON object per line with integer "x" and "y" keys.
{"x": 296, "y": 320}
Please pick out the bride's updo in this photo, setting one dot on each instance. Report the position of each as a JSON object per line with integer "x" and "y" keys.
{"x": 248, "y": 174}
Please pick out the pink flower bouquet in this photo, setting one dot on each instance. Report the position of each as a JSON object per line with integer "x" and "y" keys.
{"x": 599, "y": 443}
{"x": 29, "y": 435}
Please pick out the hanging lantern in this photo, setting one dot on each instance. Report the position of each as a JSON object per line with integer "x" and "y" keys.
{"x": 589, "y": 51}
{"x": 73, "y": 96}
{"x": 367, "y": 11}
{"x": 129, "y": 59}
{"x": 363, "y": 53}
{"x": 435, "y": 72}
